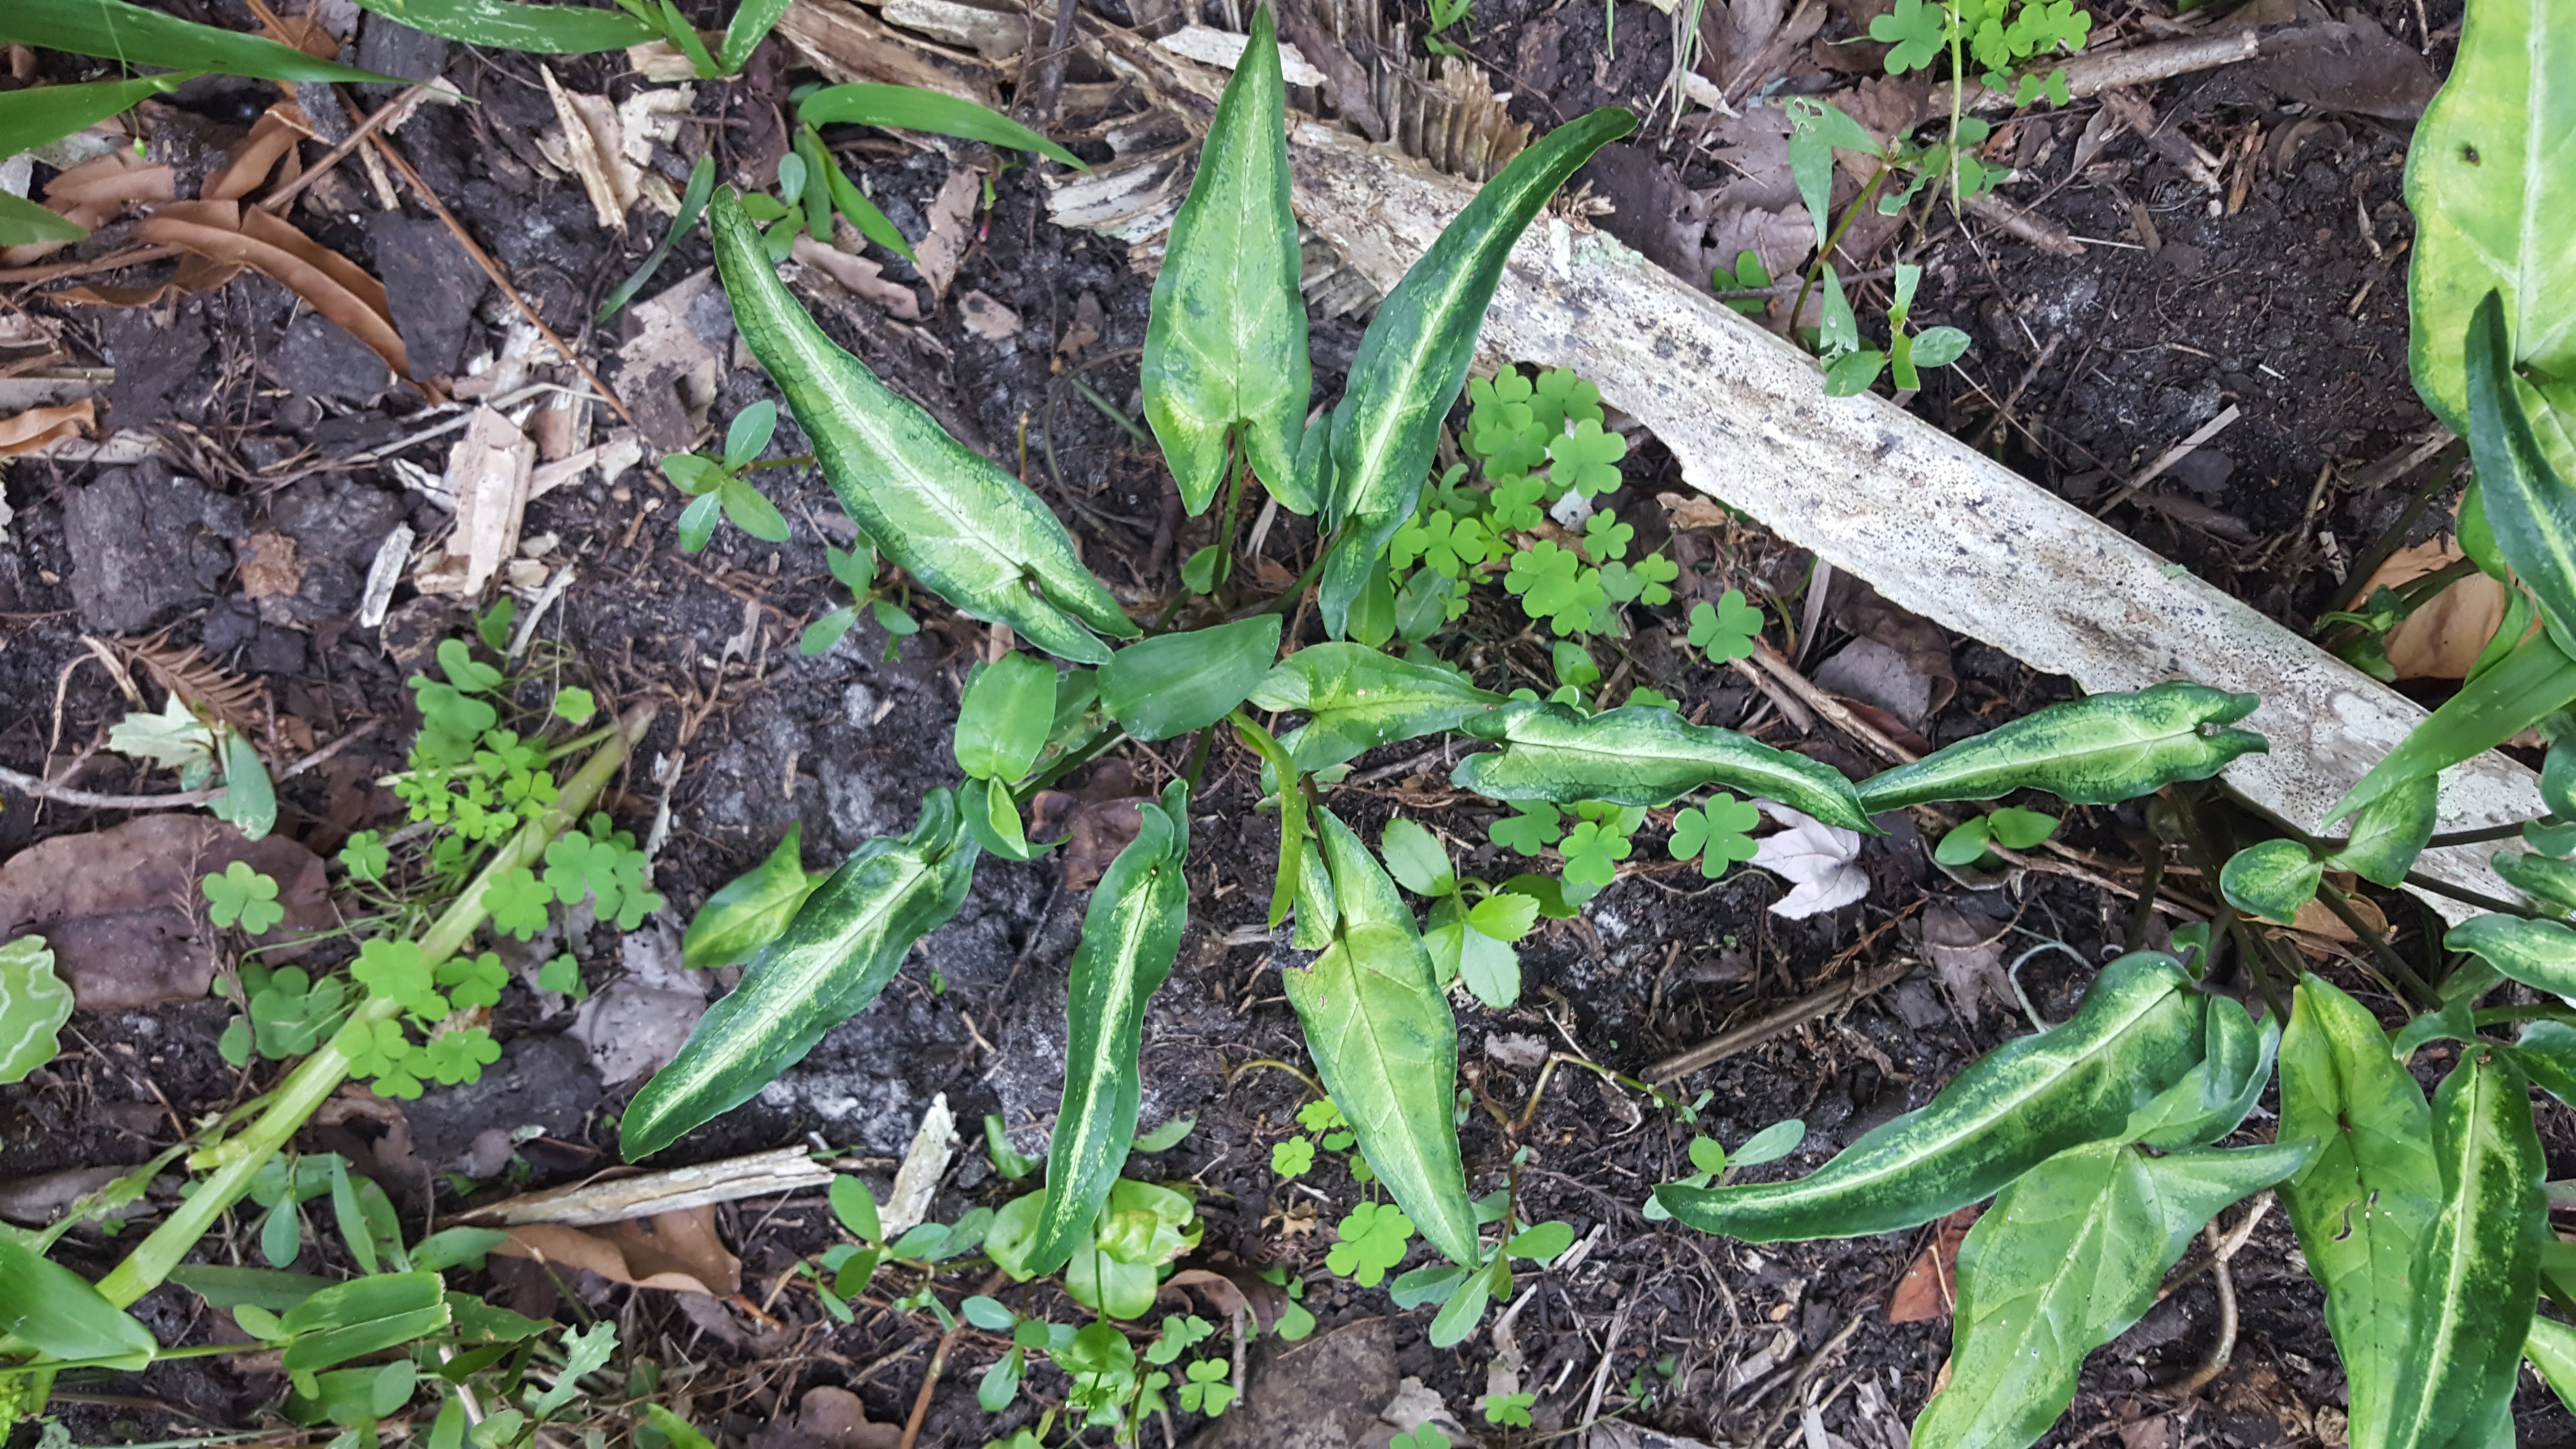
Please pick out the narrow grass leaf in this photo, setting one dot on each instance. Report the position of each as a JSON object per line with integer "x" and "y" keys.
{"x": 119, "y": 30}
{"x": 910, "y": 108}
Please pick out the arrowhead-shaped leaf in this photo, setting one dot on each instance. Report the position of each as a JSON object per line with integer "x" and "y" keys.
{"x": 1355, "y": 698}
{"x": 2096, "y": 751}
{"x": 1642, "y": 755}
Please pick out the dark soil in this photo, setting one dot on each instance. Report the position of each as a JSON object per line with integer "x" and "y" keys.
{"x": 260, "y": 405}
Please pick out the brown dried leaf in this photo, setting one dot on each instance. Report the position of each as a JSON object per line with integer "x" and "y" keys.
{"x": 1695, "y": 510}
{"x": 828, "y": 1418}
{"x": 1930, "y": 1284}
{"x": 678, "y": 1252}
{"x": 987, "y": 318}
{"x": 122, "y": 909}
{"x": 1100, "y": 830}
{"x": 860, "y": 277}
{"x": 249, "y": 163}
{"x": 2443, "y": 636}
{"x": 269, "y": 567}
{"x": 42, "y": 427}
{"x": 328, "y": 282}
{"x": 93, "y": 193}
{"x": 205, "y": 685}
{"x": 952, "y": 223}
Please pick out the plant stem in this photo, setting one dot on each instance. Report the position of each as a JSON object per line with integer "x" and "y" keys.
{"x": 1832, "y": 240}
{"x": 319, "y": 1075}
{"x": 1225, "y": 528}
{"x": 2389, "y": 961}
{"x": 2472, "y": 898}
{"x": 2502, "y": 1015}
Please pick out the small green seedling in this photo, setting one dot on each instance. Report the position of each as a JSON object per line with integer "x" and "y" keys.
{"x": 718, "y": 487}
{"x": 1474, "y": 924}
{"x": 2010, "y": 827}
{"x": 1747, "y": 275}
{"x": 1714, "y": 1163}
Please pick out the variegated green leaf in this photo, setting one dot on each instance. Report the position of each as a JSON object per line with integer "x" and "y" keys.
{"x": 34, "y": 1004}
{"x": 2271, "y": 879}
{"x": 2215, "y": 1097}
{"x": 2139, "y": 1031}
{"x": 963, "y": 528}
{"x": 1385, "y": 1044}
{"x": 1225, "y": 341}
{"x": 2530, "y": 505}
{"x": 2364, "y": 1200}
{"x": 2526, "y": 687}
{"x": 1641, "y": 755}
{"x": 2096, "y": 751}
{"x": 516, "y": 25}
{"x": 2536, "y": 953}
{"x": 2476, "y": 1273}
{"x": 2491, "y": 180}
{"x": 2068, "y": 1257}
{"x": 830, "y": 964}
{"x": 747, "y": 912}
{"x": 1355, "y": 699}
{"x": 1176, "y": 683}
{"x": 1130, "y": 937}
{"x": 2551, "y": 1347}
{"x": 2388, "y": 835}
{"x": 1414, "y": 357}
{"x": 2546, "y": 879}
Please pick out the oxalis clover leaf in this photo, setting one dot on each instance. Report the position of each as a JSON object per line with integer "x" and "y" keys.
{"x": 1373, "y": 1239}
{"x": 1533, "y": 827}
{"x": 456, "y": 1057}
{"x": 1605, "y": 538}
{"x": 1292, "y": 1158}
{"x": 475, "y": 982}
{"x": 1728, "y": 630}
{"x": 244, "y": 897}
{"x": 366, "y": 856}
{"x": 1554, "y": 585}
{"x": 1593, "y": 850}
{"x": 1207, "y": 1391}
{"x": 1586, "y": 458}
{"x": 393, "y": 969}
{"x": 1915, "y": 29}
{"x": 518, "y": 901}
{"x": 1720, "y": 833}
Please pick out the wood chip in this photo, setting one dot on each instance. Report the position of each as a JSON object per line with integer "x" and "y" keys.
{"x": 917, "y": 1181}
{"x": 487, "y": 472}
{"x": 680, "y": 1189}
{"x": 585, "y": 151}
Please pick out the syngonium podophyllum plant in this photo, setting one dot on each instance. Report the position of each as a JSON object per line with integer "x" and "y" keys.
{"x": 1227, "y": 390}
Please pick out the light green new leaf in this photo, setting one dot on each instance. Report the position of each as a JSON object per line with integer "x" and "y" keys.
{"x": 1180, "y": 682}
{"x": 2535, "y": 953}
{"x": 2362, "y": 1203}
{"x": 41, "y": 114}
{"x": 2391, "y": 833}
{"x": 2271, "y": 879}
{"x": 57, "y": 1312}
{"x": 2096, "y": 751}
{"x": 34, "y": 1004}
{"x": 118, "y": 30}
{"x": 2491, "y": 180}
{"x": 2216, "y": 1096}
{"x": 2530, "y": 508}
{"x": 512, "y": 25}
{"x": 1004, "y": 717}
{"x": 1225, "y": 342}
{"x": 1414, "y": 357}
{"x": 2526, "y": 687}
{"x": 968, "y": 531}
{"x": 248, "y": 799}
{"x": 362, "y": 1316}
{"x": 1641, "y": 754}
{"x": 2551, "y": 1348}
{"x": 830, "y": 964}
{"x": 1292, "y": 815}
{"x": 910, "y": 108}
{"x": 1385, "y": 1044}
{"x": 1356, "y": 699}
{"x": 2139, "y": 1031}
{"x": 747, "y": 912}
{"x": 2476, "y": 1272}
{"x": 23, "y": 221}
{"x": 2067, "y": 1258}
{"x": 1130, "y": 937}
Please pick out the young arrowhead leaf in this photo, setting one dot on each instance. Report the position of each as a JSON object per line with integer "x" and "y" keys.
{"x": 1130, "y": 938}
{"x": 1642, "y": 755}
{"x": 968, "y": 531}
{"x": 1225, "y": 340}
{"x": 1355, "y": 699}
{"x": 2138, "y": 1032}
{"x": 2096, "y": 751}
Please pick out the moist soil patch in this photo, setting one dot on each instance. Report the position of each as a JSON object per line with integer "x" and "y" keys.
{"x": 2283, "y": 297}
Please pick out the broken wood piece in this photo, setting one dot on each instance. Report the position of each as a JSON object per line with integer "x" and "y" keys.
{"x": 848, "y": 44}
{"x": 1224, "y": 50}
{"x": 907, "y": 1205}
{"x": 487, "y": 474}
{"x": 1936, "y": 527}
{"x": 678, "y": 1189}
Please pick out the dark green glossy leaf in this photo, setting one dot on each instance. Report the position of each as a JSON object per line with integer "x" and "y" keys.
{"x": 2096, "y": 751}
{"x": 2535, "y": 953}
{"x": 2271, "y": 879}
{"x": 830, "y": 964}
{"x": 2068, "y": 1257}
{"x": 1355, "y": 699}
{"x": 513, "y": 25}
{"x": 1180, "y": 682}
{"x": 223, "y": 1285}
{"x": 1413, "y": 359}
{"x": 1641, "y": 755}
{"x": 2390, "y": 833}
{"x": 1130, "y": 938}
{"x": 747, "y": 912}
{"x": 910, "y": 108}
{"x": 55, "y": 1311}
{"x": 962, "y": 527}
{"x": 2139, "y": 1031}
{"x": 1004, "y": 716}
{"x": 2527, "y": 687}
{"x": 1225, "y": 341}
{"x": 2364, "y": 1201}
{"x": 40, "y": 114}
{"x": 1386, "y": 1045}
{"x": 2476, "y": 1272}
{"x": 118, "y": 30}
